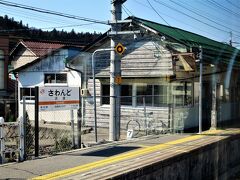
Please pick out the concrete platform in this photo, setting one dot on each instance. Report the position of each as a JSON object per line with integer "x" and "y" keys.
{"x": 119, "y": 160}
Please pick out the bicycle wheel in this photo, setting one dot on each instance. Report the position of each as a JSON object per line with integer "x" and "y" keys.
{"x": 133, "y": 125}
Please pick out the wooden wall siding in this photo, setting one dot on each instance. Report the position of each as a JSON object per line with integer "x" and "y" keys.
{"x": 127, "y": 112}
{"x": 144, "y": 58}
{"x": 23, "y": 57}
{"x": 141, "y": 59}
{"x": 54, "y": 63}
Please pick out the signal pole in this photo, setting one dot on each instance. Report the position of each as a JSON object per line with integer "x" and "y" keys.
{"x": 200, "y": 89}
{"x": 115, "y": 71}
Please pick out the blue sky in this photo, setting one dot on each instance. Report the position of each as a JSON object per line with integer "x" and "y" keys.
{"x": 217, "y": 20}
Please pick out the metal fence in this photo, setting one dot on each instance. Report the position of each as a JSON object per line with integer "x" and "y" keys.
{"x": 56, "y": 130}
{"x": 63, "y": 130}
{"x": 138, "y": 117}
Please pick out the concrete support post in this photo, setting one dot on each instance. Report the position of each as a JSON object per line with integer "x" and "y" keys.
{"x": 115, "y": 70}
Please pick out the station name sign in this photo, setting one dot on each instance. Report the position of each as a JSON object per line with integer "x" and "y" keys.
{"x": 58, "y": 98}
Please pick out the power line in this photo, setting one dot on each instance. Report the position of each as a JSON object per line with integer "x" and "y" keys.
{"x": 29, "y": 16}
{"x": 40, "y": 10}
{"x": 34, "y": 15}
{"x": 43, "y": 18}
{"x": 165, "y": 20}
{"x": 230, "y": 2}
{"x": 211, "y": 16}
{"x": 126, "y": 10}
{"x": 170, "y": 7}
{"x": 134, "y": 16}
{"x": 175, "y": 19}
{"x": 203, "y": 16}
{"x": 222, "y": 7}
{"x": 54, "y": 27}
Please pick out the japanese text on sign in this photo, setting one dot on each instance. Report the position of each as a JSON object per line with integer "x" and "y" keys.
{"x": 58, "y": 98}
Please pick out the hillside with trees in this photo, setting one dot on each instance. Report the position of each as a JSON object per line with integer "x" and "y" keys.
{"x": 9, "y": 26}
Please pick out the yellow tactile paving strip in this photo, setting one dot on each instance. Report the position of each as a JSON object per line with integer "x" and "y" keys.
{"x": 132, "y": 154}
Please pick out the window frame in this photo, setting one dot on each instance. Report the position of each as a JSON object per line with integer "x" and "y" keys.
{"x": 31, "y": 91}
{"x": 104, "y": 97}
{"x": 164, "y": 98}
{"x": 55, "y": 83}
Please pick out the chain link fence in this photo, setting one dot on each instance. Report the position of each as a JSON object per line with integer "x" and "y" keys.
{"x": 56, "y": 130}
{"x": 140, "y": 115}
{"x": 64, "y": 130}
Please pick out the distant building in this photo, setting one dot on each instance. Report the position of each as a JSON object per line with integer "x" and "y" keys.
{"x": 42, "y": 64}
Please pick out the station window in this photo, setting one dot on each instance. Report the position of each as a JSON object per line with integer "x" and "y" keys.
{"x": 154, "y": 95}
{"x": 55, "y": 78}
{"x": 105, "y": 94}
{"x": 160, "y": 95}
{"x": 126, "y": 94}
{"x": 28, "y": 92}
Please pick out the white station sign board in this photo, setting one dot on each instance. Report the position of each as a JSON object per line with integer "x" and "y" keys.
{"x": 58, "y": 98}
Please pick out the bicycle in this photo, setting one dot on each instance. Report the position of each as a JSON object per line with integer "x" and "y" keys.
{"x": 152, "y": 126}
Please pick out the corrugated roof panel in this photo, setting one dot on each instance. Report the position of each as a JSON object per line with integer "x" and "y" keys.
{"x": 212, "y": 50}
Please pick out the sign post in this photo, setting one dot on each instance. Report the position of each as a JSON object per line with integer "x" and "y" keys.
{"x": 36, "y": 132}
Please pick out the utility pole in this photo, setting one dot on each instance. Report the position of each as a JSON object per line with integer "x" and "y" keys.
{"x": 115, "y": 70}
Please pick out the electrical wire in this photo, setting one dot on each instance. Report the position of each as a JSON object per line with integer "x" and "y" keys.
{"x": 212, "y": 8}
{"x": 223, "y": 7}
{"x": 196, "y": 19}
{"x": 34, "y": 16}
{"x": 211, "y": 16}
{"x": 177, "y": 20}
{"x": 45, "y": 20}
{"x": 201, "y": 15}
{"x": 126, "y": 10}
{"x": 40, "y": 10}
{"x": 54, "y": 27}
{"x": 165, "y": 20}
{"x": 37, "y": 17}
{"x": 234, "y": 5}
